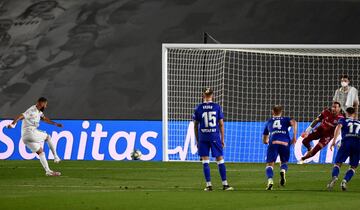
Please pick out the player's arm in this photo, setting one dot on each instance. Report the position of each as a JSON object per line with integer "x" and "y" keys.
{"x": 311, "y": 126}
{"x": 16, "y": 119}
{"x": 222, "y": 132}
{"x": 265, "y": 136}
{"x": 47, "y": 120}
{"x": 336, "y": 134}
{"x": 293, "y": 123}
{"x": 265, "y": 139}
{"x": 196, "y": 131}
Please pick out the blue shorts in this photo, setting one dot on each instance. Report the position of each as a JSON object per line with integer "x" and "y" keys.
{"x": 215, "y": 146}
{"x": 277, "y": 149}
{"x": 349, "y": 149}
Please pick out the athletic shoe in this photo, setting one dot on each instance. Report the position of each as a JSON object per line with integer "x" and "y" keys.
{"x": 332, "y": 182}
{"x": 343, "y": 185}
{"x": 283, "y": 178}
{"x": 208, "y": 188}
{"x": 270, "y": 184}
{"x": 227, "y": 188}
{"x": 53, "y": 173}
{"x": 57, "y": 160}
{"x": 300, "y": 162}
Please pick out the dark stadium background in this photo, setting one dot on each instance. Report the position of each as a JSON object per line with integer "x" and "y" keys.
{"x": 101, "y": 59}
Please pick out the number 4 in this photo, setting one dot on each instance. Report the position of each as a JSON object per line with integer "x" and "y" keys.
{"x": 277, "y": 124}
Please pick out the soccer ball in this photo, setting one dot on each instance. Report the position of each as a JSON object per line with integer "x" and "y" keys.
{"x": 136, "y": 154}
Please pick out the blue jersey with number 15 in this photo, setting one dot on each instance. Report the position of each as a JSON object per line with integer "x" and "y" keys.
{"x": 208, "y": 115}
{"x": 278, "y": 129}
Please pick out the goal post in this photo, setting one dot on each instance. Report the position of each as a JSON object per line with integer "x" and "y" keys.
{"x": 248, "y": 80}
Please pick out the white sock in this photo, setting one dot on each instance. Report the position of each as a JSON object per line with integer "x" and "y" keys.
{"x": 225, "y": 182}
{"x": 44, "y": 162}
{"x": 52, "y": 148}
{"x": 208, "y": 184}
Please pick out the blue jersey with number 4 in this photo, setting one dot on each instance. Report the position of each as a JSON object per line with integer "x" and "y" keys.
{"x": 208, "y": 115}
{"x": 278, "y": 129}
{"x": 350, "y": 129}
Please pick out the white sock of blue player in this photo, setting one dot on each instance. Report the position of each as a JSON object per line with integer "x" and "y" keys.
{"x": 269, "y": 172}
{"x": 206, "y": 169}
{"x": 222, "y": 171}
{"x": 284, "y": 167}
{"x": 44, "y": 162}
{"x": 335, "y": 171}
{"x": 349, "y": 174}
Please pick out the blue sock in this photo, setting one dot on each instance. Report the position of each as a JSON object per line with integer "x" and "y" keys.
{"x": 349, "y": 174}
{"x": 222, "y": 170}
{"x": 335, "y": 171}
{"x": 269, "y": 172}
{"x": 206, "y": 169}
{"x": 284, "y": 166}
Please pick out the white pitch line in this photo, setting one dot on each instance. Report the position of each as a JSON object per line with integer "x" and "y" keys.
{"x": 160, "y": 169}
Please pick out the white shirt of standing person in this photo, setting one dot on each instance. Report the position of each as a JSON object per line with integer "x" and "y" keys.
{"x": 31, "y": 121}
{"x": 347, "y": 95}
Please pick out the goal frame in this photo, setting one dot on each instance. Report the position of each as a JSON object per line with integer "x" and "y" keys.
{"x": 166, "y": 46}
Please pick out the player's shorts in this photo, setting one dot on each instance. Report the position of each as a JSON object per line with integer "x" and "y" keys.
{"x": 323, "y": 136}
{"x": 350, "y": 149}
{"x": 215, "y": 146}
{"x": 277, "y": 149}
{"x": 34, "y": 139}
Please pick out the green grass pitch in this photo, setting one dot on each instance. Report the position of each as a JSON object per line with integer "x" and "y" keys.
{"x": 171, "y": 185}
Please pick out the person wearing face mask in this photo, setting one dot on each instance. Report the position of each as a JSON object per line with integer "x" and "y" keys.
{"x": 347, "y": 95}
{"x": 33, "y": 138}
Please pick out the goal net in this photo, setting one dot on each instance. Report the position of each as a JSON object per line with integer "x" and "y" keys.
{"x": 248, "y": 80}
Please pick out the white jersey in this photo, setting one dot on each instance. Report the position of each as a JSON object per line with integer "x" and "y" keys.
{"x": 31, "y": 120}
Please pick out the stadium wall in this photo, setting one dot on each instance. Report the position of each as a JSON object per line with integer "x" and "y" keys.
{"x": 115, "y": 140}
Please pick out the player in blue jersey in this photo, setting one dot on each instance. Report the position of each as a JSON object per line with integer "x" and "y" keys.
{"x": 276, "y": 135}
{"x": 350, "y": 147}
{"x": 209, "y": 132}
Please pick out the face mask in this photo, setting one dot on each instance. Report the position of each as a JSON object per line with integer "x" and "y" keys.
{"x": 344, "y": 84}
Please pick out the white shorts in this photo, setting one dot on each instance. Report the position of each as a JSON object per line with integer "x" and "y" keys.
{"x": 34, "y": 139}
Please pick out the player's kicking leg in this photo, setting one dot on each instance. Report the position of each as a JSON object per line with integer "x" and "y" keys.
{"x": 35, "y": 146}
{"x": 53, "y": 150}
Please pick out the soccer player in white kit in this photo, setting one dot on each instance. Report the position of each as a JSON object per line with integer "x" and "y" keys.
{"x": 32, "y": 137}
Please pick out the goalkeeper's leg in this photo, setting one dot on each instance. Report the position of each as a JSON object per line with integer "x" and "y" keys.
{"x": 322, "y": 143}
{"x": 306, "y": 141}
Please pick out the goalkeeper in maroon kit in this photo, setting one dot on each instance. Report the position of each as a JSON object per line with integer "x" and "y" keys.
{"x": 329, "y": 118}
